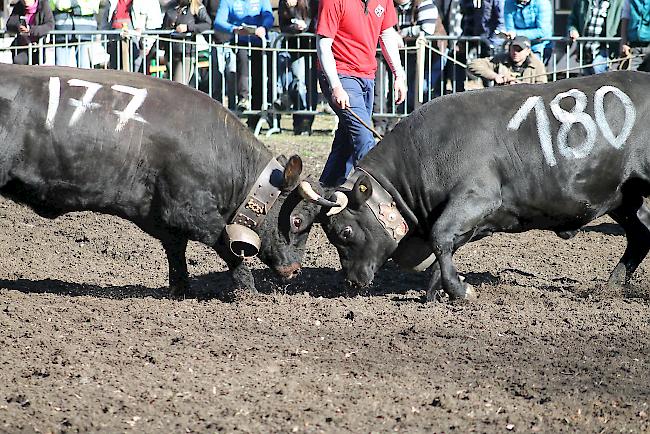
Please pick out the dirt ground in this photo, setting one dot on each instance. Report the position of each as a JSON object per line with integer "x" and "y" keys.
{"x": 89, "y": 342}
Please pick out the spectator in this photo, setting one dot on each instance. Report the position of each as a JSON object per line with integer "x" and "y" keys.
{"x": 74, "y": 15}
{"x": 635, "y": 33}
{"x": 184, "y": 16}
{"x": 517, "y": 65}
{"x": 220, "y": 79}
{"x": 348, "y": 33}
{"x": 458, "y": 19}
{"x": 415, "y": 18}
{"x": 595, "y": 18}
{"x": 492, "y": 23}
{"x": 296, "y": 17}
{"x": 247, "y": 22}
{"x": 132, "y": 17}
{"x": 30, "y": 20}
{"x": 532, "y": 19}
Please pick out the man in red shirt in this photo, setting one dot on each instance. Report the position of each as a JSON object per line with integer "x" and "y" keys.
{"x": 348, "y": 32}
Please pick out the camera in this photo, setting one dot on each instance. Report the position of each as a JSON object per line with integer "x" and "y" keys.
{"x": 23, "y": 21}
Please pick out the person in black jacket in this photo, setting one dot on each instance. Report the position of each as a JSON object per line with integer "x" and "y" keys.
{"x": 185, "y": 16}
{"x": 30, "y": 20}
{"x": 460, "y": 18}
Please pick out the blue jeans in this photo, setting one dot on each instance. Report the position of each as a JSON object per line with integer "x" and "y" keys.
{"x": 601, "y": 58}
{"x": 352, "y": 140}
{"x": 75, "y": 56}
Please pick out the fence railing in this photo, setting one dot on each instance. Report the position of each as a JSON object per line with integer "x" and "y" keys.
{"x": 280, "y": 75}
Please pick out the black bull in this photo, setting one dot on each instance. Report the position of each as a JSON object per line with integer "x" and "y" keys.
{"x": 165, "y": 157}
{"x": 511, "y": 159}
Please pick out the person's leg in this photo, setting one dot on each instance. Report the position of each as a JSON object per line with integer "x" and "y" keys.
{"x": 256, "y": 90}
{"x": 352, "y": 140}
{"x": 112, "y": 48}
{"x": 600, "y": 62}
{"x": 298, "y": 93}
{"x": 21, "y": 57}
{"x": 83, "y": 59}
{"x": 299, "y": 79}
{"x": 459, "y": 72}
{"x": 638, "y": 61}
{"x": 182, "y": 68}
{"x": 65, "y": 56}
{"x": 362, "y": 137}
{"x": 243, "y": 89}
{"x": 334, "y": 170}
{"x": 216, "y": 71}
{"x": 645, "y": 64}
{"x": 285, "y": 78}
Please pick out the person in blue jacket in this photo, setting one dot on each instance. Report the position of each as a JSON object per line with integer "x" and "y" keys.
{"x": 247, "y": 22}
{"x": 635, "y": 33}
{"x": 532, "y": 19}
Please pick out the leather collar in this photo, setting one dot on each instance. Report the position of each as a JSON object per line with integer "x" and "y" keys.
{"x": 261, "y": 197}
{"x": 382, "y": 205}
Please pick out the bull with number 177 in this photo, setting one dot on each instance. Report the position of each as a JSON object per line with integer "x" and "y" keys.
{"x": 162, "y": 155}
{"x": 553, "y": 157}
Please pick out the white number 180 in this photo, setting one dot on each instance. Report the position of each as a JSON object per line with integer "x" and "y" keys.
{"x": 577, "y": 115}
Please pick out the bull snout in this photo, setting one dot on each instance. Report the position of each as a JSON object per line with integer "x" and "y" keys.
{"x": 288, "y": 271}
{"x": 358, "y": 277}
{"x": 356, "y": 285}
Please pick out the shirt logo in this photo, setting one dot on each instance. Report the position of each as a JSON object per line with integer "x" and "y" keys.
{"x": 379, "y": 11}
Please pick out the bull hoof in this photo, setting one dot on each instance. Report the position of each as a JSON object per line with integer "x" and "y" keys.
{"x": 617, "y": 278}
{"x": 237, "y": 295}
{"x": 468, "y": 295}
{"x": 435, "y": 295}
{"x": 180, "y": 292}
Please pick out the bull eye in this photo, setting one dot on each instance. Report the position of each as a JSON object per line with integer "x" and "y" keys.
{"x": 346, "y": 233}
{"x": 296, "y": 222}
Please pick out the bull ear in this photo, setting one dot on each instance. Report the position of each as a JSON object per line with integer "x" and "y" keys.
{"x": 292, "y": 171}
{"x": 361, "y": 192}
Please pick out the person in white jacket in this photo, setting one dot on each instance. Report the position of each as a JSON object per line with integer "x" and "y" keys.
{"x": 132, "y": 17}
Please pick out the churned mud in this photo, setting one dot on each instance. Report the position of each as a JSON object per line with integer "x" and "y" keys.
{"x": 89, "y": 341}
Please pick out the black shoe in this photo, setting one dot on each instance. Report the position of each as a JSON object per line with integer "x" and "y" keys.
{"x": 244, "y": 104}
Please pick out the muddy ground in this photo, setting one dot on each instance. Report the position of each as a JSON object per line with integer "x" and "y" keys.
{"x": 89, "y": 341}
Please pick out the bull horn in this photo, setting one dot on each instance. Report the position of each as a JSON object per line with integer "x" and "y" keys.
{"x": 308, "y": 193}
{"x": 341, "y": 203}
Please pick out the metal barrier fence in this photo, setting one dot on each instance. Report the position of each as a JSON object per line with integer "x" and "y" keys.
{"x": 279, "y": 77}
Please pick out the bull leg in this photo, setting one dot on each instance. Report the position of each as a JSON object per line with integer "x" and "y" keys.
{"x": 242, "y": 277}
{"x": 175, "y": 247}
{"x": 456, "y": 226}
{"x": 632, "y": 217}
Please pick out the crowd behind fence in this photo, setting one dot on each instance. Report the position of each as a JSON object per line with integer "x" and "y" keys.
{"x": 287, "y": 71}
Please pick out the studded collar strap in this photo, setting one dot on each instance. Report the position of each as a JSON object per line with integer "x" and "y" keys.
{"x": 382, "y": 205}
{"x": 261, "y": 197}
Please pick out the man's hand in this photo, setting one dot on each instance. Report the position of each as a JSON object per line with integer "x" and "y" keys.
{"x": 511, "y": 34}
{"x": 260, "y": 32}
{"x": 399, "y": 88}
{"x": 340, "y": 97}
{"x": 504, "y": 79}
{"x": 23, "y": 29}
{"x": 573, "y": 34}
{"x": 625, "y": 50}
{"x": 181, "y": 28}
{"x": 301, "y": 25}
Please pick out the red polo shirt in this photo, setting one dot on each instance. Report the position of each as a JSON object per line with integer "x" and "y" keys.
{"x": 355, "y": 33}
